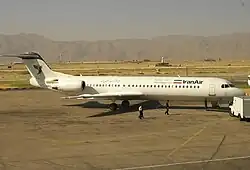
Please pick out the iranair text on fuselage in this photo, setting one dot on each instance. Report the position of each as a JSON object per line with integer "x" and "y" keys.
{"x": 192, "y": 81}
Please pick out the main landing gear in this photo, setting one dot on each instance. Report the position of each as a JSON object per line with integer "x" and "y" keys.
{"x": 125, "y": 105}
{"x": 113, "y": 106}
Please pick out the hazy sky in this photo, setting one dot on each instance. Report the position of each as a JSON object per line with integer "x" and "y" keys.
{"x": 111, "y": 19}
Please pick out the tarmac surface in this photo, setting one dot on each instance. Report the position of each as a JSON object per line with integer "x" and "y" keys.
{"x": 38, "y": 130}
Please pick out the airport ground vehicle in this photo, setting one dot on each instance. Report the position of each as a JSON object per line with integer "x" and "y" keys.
{"x": 240, "y": 107}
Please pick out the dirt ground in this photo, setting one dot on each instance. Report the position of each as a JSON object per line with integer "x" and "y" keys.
{"x": 38, "y": 130}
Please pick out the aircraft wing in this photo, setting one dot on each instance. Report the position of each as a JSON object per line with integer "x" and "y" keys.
{"x": 109, "y": 95}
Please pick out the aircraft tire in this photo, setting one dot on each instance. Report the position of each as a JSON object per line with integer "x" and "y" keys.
{"x": 125, "y": 104}
{"x": 113, "y": 106}
{"x": 242, "y": 119}
{"x": 231, "y": 114}
{"x": 215, "y": 105}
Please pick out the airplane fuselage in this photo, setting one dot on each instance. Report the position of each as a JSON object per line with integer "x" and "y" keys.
{"x": 152, "y": 88}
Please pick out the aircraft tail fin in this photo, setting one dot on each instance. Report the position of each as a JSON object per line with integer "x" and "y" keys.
{"x": 37, "y": 67}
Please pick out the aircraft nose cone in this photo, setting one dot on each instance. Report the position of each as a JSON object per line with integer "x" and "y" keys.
{"x": 240, "y": 93}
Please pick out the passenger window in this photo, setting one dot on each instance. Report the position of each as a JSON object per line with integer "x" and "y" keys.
{"x": 168, "y": 86}
{"x": 179, "y": 86}
{"x": 194, "y": 86}
{"x": 154, "y": 85}
{"x": 176, "y": 86}
{"x": 186, "y": 86}
{"x": 158, "y": 86}
{"x": 183, "y": 86}
{"x": 190, "y": 86}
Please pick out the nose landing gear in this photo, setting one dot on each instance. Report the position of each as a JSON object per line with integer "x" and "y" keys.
{"x": 215, "y": 104}
{"x": 206, "y": 104}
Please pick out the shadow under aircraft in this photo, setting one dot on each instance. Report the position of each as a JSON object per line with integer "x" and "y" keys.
{"x": 147, "y": 105}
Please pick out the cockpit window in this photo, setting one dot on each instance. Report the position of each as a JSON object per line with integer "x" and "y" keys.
{"x": 227, "y": 85}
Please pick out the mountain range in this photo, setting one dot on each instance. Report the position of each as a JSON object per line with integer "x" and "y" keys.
{"x": 173, "y": 47}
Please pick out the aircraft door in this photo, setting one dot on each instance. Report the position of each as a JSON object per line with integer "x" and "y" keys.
{"x": 212, "y": 90}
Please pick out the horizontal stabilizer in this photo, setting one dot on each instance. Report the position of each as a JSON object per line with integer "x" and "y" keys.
{"x": 28, "y": 55}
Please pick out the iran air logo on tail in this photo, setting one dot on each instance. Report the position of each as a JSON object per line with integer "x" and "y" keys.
{"x": 188, "y": 81}
{"x": 38, "y": 68}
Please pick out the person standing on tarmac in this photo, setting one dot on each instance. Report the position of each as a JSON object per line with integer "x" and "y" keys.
{"x": 141, "y": 112}
{"x": 167, "y": 107}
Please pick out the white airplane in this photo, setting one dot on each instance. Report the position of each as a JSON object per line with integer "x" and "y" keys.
{"x": 124, "y": 88}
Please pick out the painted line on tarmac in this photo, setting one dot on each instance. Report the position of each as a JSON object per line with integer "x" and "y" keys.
{"x": 185, "y": 163}
{"x": 188, "y": 140}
